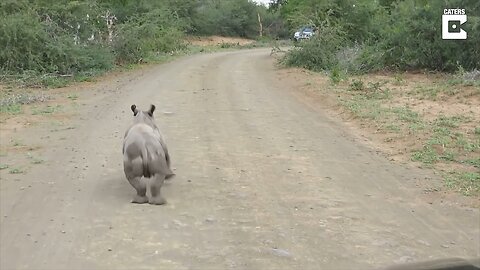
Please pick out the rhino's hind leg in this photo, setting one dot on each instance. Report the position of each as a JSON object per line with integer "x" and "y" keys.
{"x": 155, "y": 189}
{"x": 140, "y": 199}
{"x": 141, "y": 188}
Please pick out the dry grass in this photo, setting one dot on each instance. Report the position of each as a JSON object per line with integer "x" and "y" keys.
{"x": 431, "y": 120}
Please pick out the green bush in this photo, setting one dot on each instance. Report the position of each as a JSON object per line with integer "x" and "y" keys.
{"x": 64, "y": 57}
{"x": 45, "y": 39}
{"x": 412, "y": 38}
{"x": 153, "y": 32}
{"x": 357, "y": 85}
{"x": 227, "y": 18}
{"x": 393, "y": 35}
{"x": 23, "y": 41}
{"x": 28, "y": 46}
{"x": 370, "y": 59}
{"x": 318, "y": 53}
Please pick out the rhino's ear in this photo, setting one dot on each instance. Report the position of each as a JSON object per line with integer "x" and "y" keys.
{"x": 134, "y": 109}
{"x": 152, "y": 109}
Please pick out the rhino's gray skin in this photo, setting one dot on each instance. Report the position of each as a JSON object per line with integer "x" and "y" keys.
{"x": 145, "y": 154}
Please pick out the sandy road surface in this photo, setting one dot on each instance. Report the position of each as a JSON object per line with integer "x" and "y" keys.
{"x": 265, "y": 180}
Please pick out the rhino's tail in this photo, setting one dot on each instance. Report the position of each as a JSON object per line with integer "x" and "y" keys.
{"x": 170, "y": 174}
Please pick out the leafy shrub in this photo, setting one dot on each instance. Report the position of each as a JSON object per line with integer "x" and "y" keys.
{"x": 336, "y": 75}
{"x": 23, "y": 41}
{"x": 370, "y": 59}
{"x": 65, "y": 57}
{"x": 28, "y": 46}
{"x": 227, "y": 18}
{"x": 154, "y": 32}
{"x": 394, "y": 35}
{"x": 42, "y": 40}
{"x": 318, "y": 53}
{"x": 412, "y": 39}
{"x": 357, "y": 85}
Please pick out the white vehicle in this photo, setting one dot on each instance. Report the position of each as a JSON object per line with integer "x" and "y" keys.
{"x": 304, "y": 33}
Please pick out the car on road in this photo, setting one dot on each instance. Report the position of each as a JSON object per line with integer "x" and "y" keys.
{"x": 304, "y": 33}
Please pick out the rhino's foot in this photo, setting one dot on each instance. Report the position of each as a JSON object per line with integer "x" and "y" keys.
{"x": 139, "y": 199}
{"x": 158, "y": 200}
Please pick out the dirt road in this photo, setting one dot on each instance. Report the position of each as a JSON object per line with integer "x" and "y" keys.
{"x": 265, "y": 180}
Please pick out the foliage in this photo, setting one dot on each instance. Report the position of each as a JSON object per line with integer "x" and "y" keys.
{"x": 228, "y": 18}
{"x": 51, "y": 42}
{"x": 273, "y": 25}
{"x": 411, "y": 38}
{"x": 389, "y": 34}
{"x": 318, "y": 53}
{"x": 154, "y": 31}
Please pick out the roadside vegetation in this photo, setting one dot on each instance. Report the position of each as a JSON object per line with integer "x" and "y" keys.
{"x": 390, "y": 69}
{"x": 445, "y": 139}
{"x": 431, "y": 120}
{"x": 364, "y": 36}
{"x": 51, "y": 43}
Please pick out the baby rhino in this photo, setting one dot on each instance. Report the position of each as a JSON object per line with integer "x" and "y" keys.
{"x": 145, "y": 154}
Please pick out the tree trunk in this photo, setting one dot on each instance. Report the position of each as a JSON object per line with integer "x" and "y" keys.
{"x": 260, "y": 26}
{"x": 110, "y": 21}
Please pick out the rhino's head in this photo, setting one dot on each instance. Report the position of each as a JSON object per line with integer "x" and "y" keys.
{"x": 143, "y": 116}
